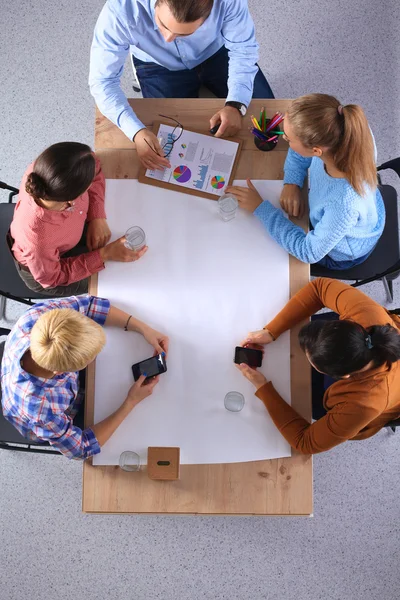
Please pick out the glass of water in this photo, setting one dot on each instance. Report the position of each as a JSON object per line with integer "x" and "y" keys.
{"x": 227, "y": 206}
{"x": 129, "y": 461}
{"x": 135, "y": 238}
{"x": 234, "y": 401}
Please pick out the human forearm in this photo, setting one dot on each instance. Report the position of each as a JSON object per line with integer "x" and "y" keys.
{"x": 118, "y": 318}
{"x": 68, "y": 270}
{"x": 295, "y": 168}
{"x": 110, "y": 47}
{"x": 239, "y": 38}
{"x": 301, "y": 306}
{"x": 105, "y": 429}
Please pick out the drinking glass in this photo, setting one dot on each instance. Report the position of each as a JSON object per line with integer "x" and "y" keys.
{"x": 135, "y": 238}
{"x": 234, "y": 401}
{"x": 227, "y": 206}
{"x": 129, "y": 461}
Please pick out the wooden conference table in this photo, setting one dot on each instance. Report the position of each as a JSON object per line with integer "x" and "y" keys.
{"x": 267, "y": 487}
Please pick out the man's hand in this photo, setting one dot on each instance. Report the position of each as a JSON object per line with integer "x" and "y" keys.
{"x": 254, "y": 376}
{"x": 291, "y": 201}
{"x": 248, "y": 198}
{"x": 118, "y": 252}
{"x": 159, "y": 341}
{"x": 98, "y": 234}
{"x": 140, "y": 390}
{"x": 230, "y": 121}
{"x": 261, "y": 337}
{"x": 149, "y": 150}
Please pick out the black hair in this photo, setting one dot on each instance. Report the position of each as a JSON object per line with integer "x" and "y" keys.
{"x": 62, "y": 172}
{"x": 188, "y": 11}
{"x": 340, "y": 348}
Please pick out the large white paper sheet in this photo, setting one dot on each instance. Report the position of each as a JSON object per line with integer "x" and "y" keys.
{"x": 206, "y": 283}
{"x": 198, "y": 161}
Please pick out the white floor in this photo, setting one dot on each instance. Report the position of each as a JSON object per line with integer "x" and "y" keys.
{"x": 350, "y": 550}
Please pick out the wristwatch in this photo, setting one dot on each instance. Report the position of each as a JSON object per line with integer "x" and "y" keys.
{"x": 242, "y": 108}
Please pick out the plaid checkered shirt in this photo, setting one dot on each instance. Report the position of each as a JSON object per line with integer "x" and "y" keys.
{"x": 43, "y": 409}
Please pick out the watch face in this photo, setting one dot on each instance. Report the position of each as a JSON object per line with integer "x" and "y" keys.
{"x": 243, "y": 110}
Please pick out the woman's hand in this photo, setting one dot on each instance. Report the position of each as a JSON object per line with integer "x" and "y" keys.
{"x": 117, "y": 251}
{"x": 98, "y": 234}
{"x": 254, "y": 376}
{"x": 261, "y": 337}
{"x": 141, "y": 390}
{"x": 291, "y": 200}
{"x": 248, "y": 198}
{"x": 159, "y": 341}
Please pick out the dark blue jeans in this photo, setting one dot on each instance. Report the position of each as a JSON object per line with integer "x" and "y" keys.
{"x": 159, "y": 82}
{"x": 342, "y": 265}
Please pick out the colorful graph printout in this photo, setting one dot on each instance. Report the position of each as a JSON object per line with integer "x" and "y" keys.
{"x": 199, "y": 162}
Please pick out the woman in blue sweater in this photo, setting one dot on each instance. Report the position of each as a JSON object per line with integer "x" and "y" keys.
{"x": 347, "y": 213}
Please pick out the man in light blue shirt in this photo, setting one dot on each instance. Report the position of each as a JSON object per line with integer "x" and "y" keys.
{"x": 176, "y": 45}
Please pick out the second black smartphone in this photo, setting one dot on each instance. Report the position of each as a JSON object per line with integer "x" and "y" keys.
{"x": 150, "y": 367}
{"x": 248, "y": 356}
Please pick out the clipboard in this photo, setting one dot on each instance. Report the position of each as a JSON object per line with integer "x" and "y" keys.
{"x": 179, "y": 188}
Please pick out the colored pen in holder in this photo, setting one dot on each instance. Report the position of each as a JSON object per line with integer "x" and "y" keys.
{"x": 261, "y": 140}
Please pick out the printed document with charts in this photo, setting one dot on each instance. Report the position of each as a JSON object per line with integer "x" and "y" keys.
{"x": 199, "y": 162}
{"x": 205, "y": 283}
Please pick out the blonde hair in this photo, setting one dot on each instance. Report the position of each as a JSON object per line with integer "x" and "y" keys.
{"x": 63, "y": 340}
{"x": 320, "y": 120}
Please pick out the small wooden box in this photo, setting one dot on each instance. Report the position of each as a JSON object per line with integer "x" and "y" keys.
{"x": 163, "y": 463}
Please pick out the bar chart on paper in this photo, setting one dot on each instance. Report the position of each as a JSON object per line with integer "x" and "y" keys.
{"x": 202, "y": 174}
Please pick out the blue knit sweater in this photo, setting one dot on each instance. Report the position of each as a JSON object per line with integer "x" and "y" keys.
{"x": 346, "y": 226}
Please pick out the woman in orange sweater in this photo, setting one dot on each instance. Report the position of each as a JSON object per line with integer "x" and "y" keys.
{"x": 360, "y": 350}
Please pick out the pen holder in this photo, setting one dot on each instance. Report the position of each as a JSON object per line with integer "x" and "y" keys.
{"x": 267, "y": 146}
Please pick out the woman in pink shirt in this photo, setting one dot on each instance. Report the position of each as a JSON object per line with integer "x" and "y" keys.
{"x": 59, "y": 234}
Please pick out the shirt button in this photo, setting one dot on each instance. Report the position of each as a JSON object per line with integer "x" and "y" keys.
{"x": 80, "y": 212}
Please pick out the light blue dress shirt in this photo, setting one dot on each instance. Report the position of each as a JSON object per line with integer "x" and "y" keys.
{"x": 129, "y": 26}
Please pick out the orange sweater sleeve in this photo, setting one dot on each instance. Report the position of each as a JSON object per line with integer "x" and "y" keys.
{"x": 340, "y": 424}
{"x": 339, "y": 297}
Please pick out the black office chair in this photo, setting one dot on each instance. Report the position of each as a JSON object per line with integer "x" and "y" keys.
{"x": 384, "y": 262}
{"x": 11, "y": 285}
{"x": 393, "y": 425}
{"x": 10, "y": 438}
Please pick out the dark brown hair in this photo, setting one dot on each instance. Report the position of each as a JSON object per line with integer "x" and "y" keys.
{"x": 339, "y": 348}
{"x": 320, "y": 120}
{"x": 188, "y": 11}
{"x": 62, "y": 172}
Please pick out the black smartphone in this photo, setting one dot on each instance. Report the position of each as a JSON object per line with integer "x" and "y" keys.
{"x": 248, "y": 356}
{"x": 151, "y": 367}
{"x": 214, "y": 130}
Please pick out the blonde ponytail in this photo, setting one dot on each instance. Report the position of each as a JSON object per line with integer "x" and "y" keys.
{"x": 320, "y": 120}
{"x": 355, "y": 153}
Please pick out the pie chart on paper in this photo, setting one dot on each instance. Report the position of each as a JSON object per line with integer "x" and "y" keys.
{"x": 182, "y": 174}
{"x": 217, "y": 182}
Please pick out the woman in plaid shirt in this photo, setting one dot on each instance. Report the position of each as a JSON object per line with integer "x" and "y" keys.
{"x": 43, "y": 354}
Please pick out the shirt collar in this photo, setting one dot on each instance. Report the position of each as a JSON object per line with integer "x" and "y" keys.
{"x": 153, "y": 11}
